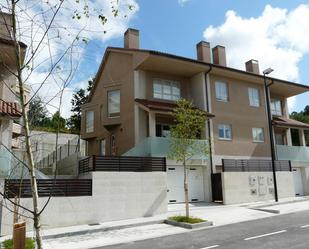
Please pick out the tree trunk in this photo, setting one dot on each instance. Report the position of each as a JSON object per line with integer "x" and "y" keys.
{"x": 31, "y": 167}
{"x": 186, "y": 189}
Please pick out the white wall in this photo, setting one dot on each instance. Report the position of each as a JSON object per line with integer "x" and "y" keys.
{"x": 116, "y": 196}
{"x": 305, "y": 179}
{"x": 237, "y": 189}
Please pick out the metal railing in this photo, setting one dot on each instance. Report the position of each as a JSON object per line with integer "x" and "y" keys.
{"x": 48, "y": 187}
{"x": 122, "y": 163}
{"x": 71, "y": 147}
{"x": 233, "y": 165}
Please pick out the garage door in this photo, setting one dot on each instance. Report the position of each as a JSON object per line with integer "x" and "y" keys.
{"x": 298, "y": 184}
{"x": 175, "y": 184}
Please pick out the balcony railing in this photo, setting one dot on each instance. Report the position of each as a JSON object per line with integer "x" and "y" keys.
{"x": 158, "y": 147}
{"x": 293, "y": 153}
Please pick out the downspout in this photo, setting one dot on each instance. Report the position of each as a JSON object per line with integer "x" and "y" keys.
{"x": 208, "y": 121}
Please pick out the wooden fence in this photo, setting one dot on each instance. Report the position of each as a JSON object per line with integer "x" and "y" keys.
{"x": 122, "y": 163}
{"x": 48, "y": 187}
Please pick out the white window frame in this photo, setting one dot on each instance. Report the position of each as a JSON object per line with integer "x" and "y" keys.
{"x": 89, "y": 121}
{"x": 166, "y": 89}
{"x": 222, "y": 91}
{"x": 276, "y": 107}
{"x": 110, "y": 113}
{"x": 225, "y": 128}
{"x": 255, "y": 135}
{"x": 254, "y": 96}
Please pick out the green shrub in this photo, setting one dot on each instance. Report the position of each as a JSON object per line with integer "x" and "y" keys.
{"x": 8, "y": 244}
{"x": 191, "y": 220}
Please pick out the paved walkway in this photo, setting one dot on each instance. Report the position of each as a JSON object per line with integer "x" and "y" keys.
{"x": 219, "y": 214}
{"x": 110, "y": 233}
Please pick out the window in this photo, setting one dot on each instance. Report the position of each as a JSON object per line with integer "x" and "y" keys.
{"x": 162, "y": 130}
{"x": 225, "y": 131}
{"x": 258, "y": 135}
{"x": 102, "y": 147}
{"x": 276, "y": 107}
{"x": 113, "y": 145}
{"x": 166, "y": 89}
{"x": 113, "y": 103}
{"x": 89, "y": 121}
{"x": 254, "y": 97}
{"x": 221, "y": 91}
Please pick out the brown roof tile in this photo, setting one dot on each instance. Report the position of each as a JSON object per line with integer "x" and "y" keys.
{"x": 160, "y": 106}
{"x": 9, "y": 108}
{"x": 280, "y": 121}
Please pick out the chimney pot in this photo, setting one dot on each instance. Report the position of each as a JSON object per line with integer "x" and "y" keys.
{"x": 203, "y": 51}
{"x": 252, "y": 66}
{"x": 131, "y": 38}
{"x": 219, "y": 57}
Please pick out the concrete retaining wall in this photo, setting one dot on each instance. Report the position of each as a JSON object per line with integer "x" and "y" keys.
{"x": 242, "y": 187}
{"x": 116, "y": 196}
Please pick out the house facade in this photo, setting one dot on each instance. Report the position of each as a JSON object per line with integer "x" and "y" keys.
{"x": 10, "y": 112}
{"x": 128, "y": 112}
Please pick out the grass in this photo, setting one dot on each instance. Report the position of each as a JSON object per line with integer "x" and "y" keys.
{"x": 8, "y": 244}
{"x": 191, "y": 220}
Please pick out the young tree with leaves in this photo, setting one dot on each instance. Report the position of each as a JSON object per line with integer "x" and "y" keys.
{"x": 79, "y": 98}
{"x": 185, "y": 138}
{"x": 37, "y": 112}
{"x": 302, "y": 116}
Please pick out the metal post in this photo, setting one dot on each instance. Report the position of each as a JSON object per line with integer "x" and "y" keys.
{"x": 271, "y": 137}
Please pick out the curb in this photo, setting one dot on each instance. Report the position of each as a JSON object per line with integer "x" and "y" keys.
{"x": 272, "y": 211}
{"x": 277, "y": 203}
{"x": 101, "y": 229}
{"x": 188, "y": 225}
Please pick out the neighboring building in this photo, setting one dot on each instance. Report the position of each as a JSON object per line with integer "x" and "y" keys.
{"x": 10, "y": 111}
{"x": 127, "y": 112}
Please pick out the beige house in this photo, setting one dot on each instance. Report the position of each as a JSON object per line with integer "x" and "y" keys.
{"x": 127, "y": 112}
{"x": 10, "y": 112}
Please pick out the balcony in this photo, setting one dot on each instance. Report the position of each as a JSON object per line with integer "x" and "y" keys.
{"x": 293, "y": 153}
{"x": 17, "y": 130}
{"x": 157, "y": 147}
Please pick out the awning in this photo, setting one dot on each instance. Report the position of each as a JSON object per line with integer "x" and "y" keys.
{"x": 286, "y": 122}
{"x": 161, "y": 106}
{"x": 9, "y": 108}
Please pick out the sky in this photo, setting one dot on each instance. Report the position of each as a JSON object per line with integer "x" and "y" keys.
{"x": 274, "y": 32}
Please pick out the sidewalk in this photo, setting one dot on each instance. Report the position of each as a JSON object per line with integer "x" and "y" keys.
{"x": 125, "y": 231}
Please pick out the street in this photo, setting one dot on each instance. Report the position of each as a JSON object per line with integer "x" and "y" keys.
{"x": 277, "y": 232}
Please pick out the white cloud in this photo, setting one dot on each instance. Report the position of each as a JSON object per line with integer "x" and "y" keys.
{"x": 183, "y": 2}
{"x": 278, "y": 38}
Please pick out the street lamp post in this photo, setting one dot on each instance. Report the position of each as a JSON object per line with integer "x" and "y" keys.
{"x": 270, "y": 127}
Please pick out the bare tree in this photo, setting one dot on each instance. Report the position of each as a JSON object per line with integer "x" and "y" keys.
{"x": 47, "y": 39}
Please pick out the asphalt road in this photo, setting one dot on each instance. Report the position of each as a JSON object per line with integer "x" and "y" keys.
{"x": 289, "y": 231}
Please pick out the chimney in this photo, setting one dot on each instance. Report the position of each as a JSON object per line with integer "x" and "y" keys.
{"x": 203, "y": 51}
{"x": 252, "y": 66}
{"x": 6, "y": 26}
{"x": 131, "y": 38}
{"x": 218, "y": 53}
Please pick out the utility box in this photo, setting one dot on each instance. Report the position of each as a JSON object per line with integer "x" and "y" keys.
{"x": 261, "y": 180}
{"x": 252, "y": 180}
{"x": 270, "y": 180}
